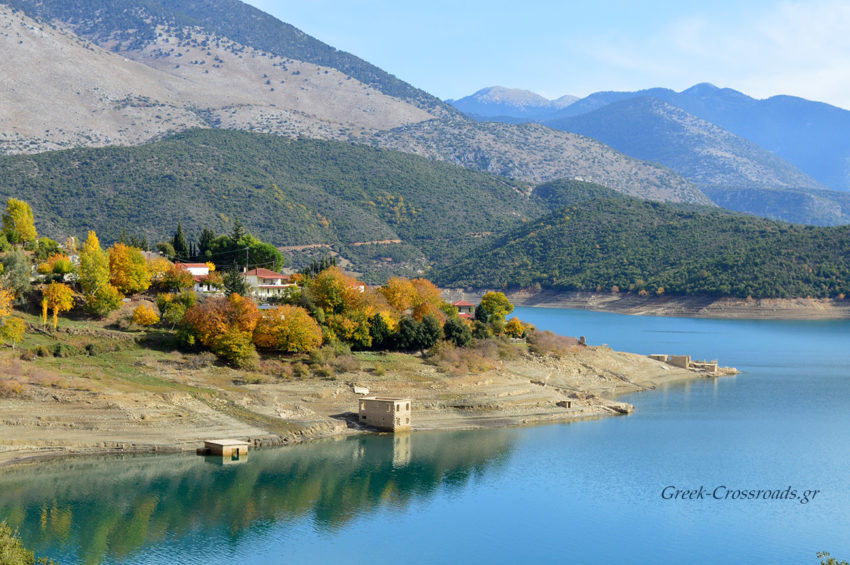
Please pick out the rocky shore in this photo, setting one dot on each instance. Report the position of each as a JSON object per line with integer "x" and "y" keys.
{"x": 679, "y": 306}
{"x": 187, "y": 405}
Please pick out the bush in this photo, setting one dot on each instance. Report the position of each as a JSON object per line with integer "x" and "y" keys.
{"x": 65, "y": 350}
{"x": 300, "y": 371}
{"x": 548, "y": 342}
{"x": 202, "y": 360}
{"x": 346, "y": 363}
{"x": 42, "y": 351}
{"x": 9, "y": 389}
{"x": 324, "y": 372}
{"x": 379, "y": 370}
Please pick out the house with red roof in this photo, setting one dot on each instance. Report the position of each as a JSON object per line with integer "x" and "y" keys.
{"x": 267, "y": 284}
{"x": 465, "y": 309}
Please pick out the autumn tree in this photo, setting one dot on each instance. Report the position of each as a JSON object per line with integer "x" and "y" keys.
{"x": 516, "y": 328}
{"x": 177, "y": 278}
{"x": 128, "y": 269}
{"x": 144, "y": 316}
{"x": 172, "y": 307}
{"x": 18, "y": 222}
{"x": 399, "y": 293}
{"x": 12, "y": 330}
{"x": 493, "y": 306}
{"x": 100, "y": 295}
{"x": 427, "y": 300}
{"x": 334, "y": 291}
{"x": 223, "y": 325}
{"x": 6, "y": 298}
{"x": 288, "y": 328}
{"x": 57, "y": 297}
{"x": 57, "y": 264}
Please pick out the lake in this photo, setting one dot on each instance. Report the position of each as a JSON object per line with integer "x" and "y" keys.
{"x": 597, "y": 491}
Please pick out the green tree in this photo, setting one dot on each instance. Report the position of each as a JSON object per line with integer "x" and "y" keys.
{"x": 205, "y": 243}
{"x": 381, "y": 333}
{"x": 18, "y": 222}
{"x": 178, "y": 242}
{"x": 234, "y": 282}
{"x": 457, "y": 331}
{"x": 16, "y": 273}
{"x": 432, "y": 331}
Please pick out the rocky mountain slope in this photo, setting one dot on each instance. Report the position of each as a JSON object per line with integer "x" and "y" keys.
{"x": 810, "y": 135}
{"x": 702, "y": 152}
{"x": 124, "y": 73}
{"x": 498, "y": 102}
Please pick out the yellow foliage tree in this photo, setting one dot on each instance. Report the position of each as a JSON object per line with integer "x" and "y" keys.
{"x": 335, "y": 291}
{"x": 288, "y": 328}
{"x": 57, "y": 264}
{"x": 144, "y": 315}
{"x": 6, "y": 298}
{"x": 18, "y": 222}
{"x": 101, "y": 296}
{"x": 427, "y": 300}
{"x": 158, "y": 268}
{"x": 128, "y": 269}
{"x": 516, "y": 328}
{"x": 12, "y": 330}
{"x": 399, "y": 292}
{"x": 58, "y": 298}
{"x": 224, "y": 325}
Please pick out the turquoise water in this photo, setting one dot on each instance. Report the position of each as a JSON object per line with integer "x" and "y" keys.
{"x": 574, "y": 493}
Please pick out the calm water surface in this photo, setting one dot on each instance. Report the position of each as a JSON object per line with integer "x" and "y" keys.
{"x": 587, "y": 492}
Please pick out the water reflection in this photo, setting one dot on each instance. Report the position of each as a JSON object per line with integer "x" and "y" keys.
{"x": 97, "y": 509}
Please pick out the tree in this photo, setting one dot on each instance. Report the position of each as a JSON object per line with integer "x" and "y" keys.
{"x": 144, "y": 316}
{"x": 46, "y": 247}
{"x": 16, "y": 273}
{"x": 177, "y": 278}
{"x": 57, "y": 297}
{"x": 224, "y": 324}
{"x": 432, "y": 331}
{"x": 427, "y": 300}
{"x": 334, "y": 291}
{"x": 494, "y": 305}
{"x": 288, "y": 328}
{"x": 12, "y": 330}
{"x": 57, "y": 264}
{"x": 178, "y": 242}
{"x": 515, "y": 328}
{"x": 172, "y": 307}
{"x": 399, "y": 292}
{"x": 458, "y": 332}
{"x": 381, "y": 332}
{"x": 18, "y": 222}
{"x": 128, "y": 269}
{"x": 6, "y": 298}
{"x": 101, "y": 297}
{"x": 205, "y": 242}
{"x": 234, "y": 282}
{"x": 166, "y": 249}
{"x": 409, "y": 334}
{"x": 351, "y": 327}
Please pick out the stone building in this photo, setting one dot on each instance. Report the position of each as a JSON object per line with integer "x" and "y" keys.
{"x": 387, "y": 414}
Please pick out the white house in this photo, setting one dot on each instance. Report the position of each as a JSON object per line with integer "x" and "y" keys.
{"x": 200, "y": 273}
{"x": 268, "y": 284}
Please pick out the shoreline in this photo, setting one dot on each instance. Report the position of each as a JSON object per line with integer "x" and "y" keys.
{"x": 726, "y": 308}
{"x": 533, "y": 390}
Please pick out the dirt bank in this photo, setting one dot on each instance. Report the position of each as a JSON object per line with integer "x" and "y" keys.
{"x": 680, "y": 306}
{"x": 135, "y": 401}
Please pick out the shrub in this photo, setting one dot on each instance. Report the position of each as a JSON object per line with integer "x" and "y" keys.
{"x": 300, "y": 371}
{"x": 202, "y": 360}
{"x": 346, "y": 363}
{"x": 9, "y": 389}
{"x": 144, "y": 316}
{"x": 379, "y": 370}
{"x": 548, "y": 342}
{"x": 42, "y": 351}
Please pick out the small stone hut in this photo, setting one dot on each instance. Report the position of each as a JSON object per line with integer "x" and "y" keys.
{"x": 387, "y": 414}
{"x": 232, "y": 448}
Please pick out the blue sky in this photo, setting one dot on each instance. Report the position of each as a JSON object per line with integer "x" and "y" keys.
{"x": 452, "y": 48}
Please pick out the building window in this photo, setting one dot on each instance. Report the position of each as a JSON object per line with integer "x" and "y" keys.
{"x": 397, "y": 407}
{"x": 397, "y": 421}
{"x": 408, "y": 407}
{"x": 407, "y": 420}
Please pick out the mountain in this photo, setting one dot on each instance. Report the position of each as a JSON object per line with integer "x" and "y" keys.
{"x": 116, "y": 72}
{"x": 388, "y": 212}
{"x": 810, "y": 135}
{"x": 535, "y": 153}
{"x": 595, "y": 241}
{"x": 508, "y": 104}
{"x": 702, "y": 152}
{"x": 60, "y": 90}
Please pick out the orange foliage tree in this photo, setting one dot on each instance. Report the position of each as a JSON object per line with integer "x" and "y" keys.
{"x": 224, "y": 324}
{"x": 128, "y": 269}
{"x": 288, "y": 328}
{"x": 427, "y": 300}
{"x": 399, "y": 292}
{"x": 58, "y": 298}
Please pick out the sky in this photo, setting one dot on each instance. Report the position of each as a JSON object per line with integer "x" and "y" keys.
{"x": 453, "y": 48}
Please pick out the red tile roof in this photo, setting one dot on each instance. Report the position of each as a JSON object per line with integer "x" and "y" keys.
{"x": 462, "y": 303}
{"x": 465, "y": 316}
{"x": 265, "y": 274}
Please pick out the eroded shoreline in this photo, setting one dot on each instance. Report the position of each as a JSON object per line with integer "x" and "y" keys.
{"x": 580, "y": 385}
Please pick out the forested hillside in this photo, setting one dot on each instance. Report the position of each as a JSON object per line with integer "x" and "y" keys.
{"x": 286, "y": 192}
{"x": 598, "y": 242}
